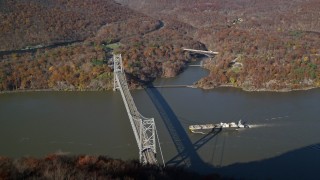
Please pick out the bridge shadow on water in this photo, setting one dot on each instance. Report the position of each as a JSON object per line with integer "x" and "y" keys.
{"x": 187, "y": 154}
{"x": 301, "y": 163}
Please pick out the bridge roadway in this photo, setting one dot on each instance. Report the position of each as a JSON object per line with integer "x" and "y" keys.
{"x": 201, "y": 51}
{"x": 142, "y": 127}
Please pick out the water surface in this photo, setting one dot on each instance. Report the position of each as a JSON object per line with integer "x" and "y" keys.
{"x": 285, "y": 134}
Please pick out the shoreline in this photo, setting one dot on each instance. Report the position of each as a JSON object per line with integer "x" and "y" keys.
{"x": 138, "y": 88}
{"x": 48, "y": 90}
{"x": 257, "y": 90}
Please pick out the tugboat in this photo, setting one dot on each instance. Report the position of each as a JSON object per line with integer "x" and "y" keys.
{"x": 220, "y": 126}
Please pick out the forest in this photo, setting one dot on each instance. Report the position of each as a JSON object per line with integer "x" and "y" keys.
{"x": 262, "y": 45}
{"x": 272, "y": 45}
{"x": 150, "y": 47}
{"x": 78, "y": 66}
{"x": 32, "y": 22}
{"x": 89, "y": 167}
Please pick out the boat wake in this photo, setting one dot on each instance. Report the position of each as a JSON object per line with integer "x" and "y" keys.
{"x": 199, "y": 132}
{"x": 276, "y": 118}
{"x": 260, "y": 125}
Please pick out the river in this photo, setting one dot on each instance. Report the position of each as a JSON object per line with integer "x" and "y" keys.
{"x": 284, "y": 141}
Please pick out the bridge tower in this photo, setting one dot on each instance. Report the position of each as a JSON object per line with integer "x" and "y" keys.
{"x": 117, "y": 67}
{"x": 144, "y": 129}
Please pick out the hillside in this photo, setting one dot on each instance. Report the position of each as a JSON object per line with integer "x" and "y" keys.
{"x": 32, "y": 22}
{"x": 67, "y": 45}
{"x": 274, "y": 44}
{"x": 36, "y": 55}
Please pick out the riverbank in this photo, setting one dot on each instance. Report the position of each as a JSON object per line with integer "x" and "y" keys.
{"x": 254, "y": 89}
{"x": 49, "y": 90}
{"x": 195, "y": 85}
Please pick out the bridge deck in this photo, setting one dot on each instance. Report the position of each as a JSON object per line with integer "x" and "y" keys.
{"x": 201, "y": 51}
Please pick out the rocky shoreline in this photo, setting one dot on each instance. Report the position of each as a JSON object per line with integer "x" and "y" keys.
{"x": 252, "y": 89}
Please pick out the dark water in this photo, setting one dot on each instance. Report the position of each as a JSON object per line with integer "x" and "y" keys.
{"x": 283, "y": 143}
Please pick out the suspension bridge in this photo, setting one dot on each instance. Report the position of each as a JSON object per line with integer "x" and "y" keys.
{"x": 144, "y": 129}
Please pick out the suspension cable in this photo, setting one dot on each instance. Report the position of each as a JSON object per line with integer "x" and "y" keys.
{"x": 159, "y": 145}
